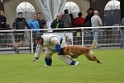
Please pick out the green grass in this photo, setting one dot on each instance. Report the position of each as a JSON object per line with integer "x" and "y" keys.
{"x": 20, "y": 69}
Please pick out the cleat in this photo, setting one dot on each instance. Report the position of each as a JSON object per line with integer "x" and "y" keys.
{"x": 46, "y": 65}
{"x": 77, "y": 63}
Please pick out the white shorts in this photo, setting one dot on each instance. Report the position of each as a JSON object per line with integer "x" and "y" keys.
{"x": 49, "y": 52}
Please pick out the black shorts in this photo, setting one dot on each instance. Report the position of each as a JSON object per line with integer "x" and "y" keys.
{"x": 19, "y": 36}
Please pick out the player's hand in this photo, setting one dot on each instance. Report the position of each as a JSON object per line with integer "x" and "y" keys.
{"x": 33, "y": 60}
{"x": 58, "y": 53}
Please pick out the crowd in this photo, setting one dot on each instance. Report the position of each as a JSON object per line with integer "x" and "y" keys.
{"x": 62, "y": 21}
{"x": 2, "y": 27}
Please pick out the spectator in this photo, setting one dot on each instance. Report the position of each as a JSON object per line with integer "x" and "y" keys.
{"x": 57, "y": 23}
{"x": 66, "y": 19}
{"x": 79, "y": 20}
{"x": 2, "y": 27}
{"x": 41, "y": 21}
{"x": 96, "y": 22}
{"x": 33, "y": 23}
{"x": 88, "y": 17}
{"x": 2, "y": 21}
{"x": 18, "y": 24}
{"x": 122, "y": 34}
{"x": 72, "y": 20}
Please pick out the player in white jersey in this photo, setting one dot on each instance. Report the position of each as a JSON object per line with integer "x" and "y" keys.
{"x": 53, "y": 43}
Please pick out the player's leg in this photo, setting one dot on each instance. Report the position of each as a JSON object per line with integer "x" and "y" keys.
{"x": 68, "y": 60}
{"x": 48, "y": 56}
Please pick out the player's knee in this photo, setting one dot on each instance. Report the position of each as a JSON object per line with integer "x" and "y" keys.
{"x": 50, "y": 57}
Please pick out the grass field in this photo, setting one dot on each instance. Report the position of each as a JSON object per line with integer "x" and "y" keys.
{"x": 19, "y": 69}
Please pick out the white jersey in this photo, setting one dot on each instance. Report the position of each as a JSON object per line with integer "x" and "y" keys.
{"x": 49, "y": 41}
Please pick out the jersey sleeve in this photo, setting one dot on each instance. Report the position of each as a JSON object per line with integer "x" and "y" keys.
{"x": 39, "y": 49}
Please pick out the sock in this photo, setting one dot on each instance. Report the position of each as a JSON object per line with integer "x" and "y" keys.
{"x": 48, "y": 61}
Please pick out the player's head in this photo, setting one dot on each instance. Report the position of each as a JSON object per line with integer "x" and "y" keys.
{"x": 38, "y": 39}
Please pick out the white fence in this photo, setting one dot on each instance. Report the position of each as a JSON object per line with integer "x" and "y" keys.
{"x": 108, "y": 38}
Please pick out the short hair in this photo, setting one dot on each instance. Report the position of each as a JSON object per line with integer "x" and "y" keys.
{"x": 66, "y": 11}
{"x": 80, "y": 14}
{"x": 58, "y": 14}
{"x": 38, "y": 37}
{"x": 97, "y": 10}
{"x": 71, "y": 15}
{"x": 90, "y": 9}
{"x": 20, "y": 13}
{"x": 33, "y": 14}
{"x": 38, "y": 13}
